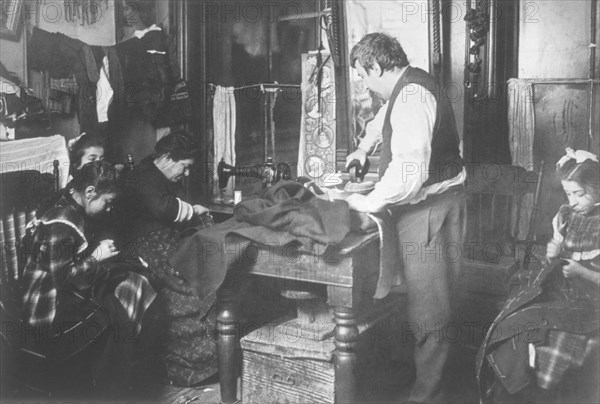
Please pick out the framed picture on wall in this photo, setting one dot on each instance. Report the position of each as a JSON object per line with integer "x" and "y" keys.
{"x": 10, "y": 18}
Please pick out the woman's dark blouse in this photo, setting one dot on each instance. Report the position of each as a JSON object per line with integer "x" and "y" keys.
{"x": 150, "y": 201}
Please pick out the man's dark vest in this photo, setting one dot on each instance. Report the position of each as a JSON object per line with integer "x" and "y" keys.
{"x": 445, "y": 162}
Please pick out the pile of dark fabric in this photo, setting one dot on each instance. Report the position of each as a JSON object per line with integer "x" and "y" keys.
{"x": 287, "y": 214}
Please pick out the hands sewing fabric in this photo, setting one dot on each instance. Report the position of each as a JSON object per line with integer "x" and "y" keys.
{"x": 200, "y": 210}
{"x": 573, "y": 269}
{"x": 105, "y": 250}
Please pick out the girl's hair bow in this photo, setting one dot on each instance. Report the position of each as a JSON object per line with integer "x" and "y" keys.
{"x": 71, "y": 143}
{"x": 579, "y": 155}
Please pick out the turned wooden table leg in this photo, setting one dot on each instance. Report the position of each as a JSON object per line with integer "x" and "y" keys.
{"x": 227, "y": 328}
{"x": 346, "y": 335}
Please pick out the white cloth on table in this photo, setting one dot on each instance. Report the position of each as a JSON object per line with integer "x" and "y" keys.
{"x": 36, "y": 154}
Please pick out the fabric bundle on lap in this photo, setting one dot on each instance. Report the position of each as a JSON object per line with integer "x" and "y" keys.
{"x": 542, "y": 311}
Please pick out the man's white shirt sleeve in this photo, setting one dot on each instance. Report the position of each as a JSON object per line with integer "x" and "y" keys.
{"x": 412, "y": 121}
{"x": 374, "y": 130}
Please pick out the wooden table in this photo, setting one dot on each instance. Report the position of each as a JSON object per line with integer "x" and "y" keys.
{"x": 349, "y": 271}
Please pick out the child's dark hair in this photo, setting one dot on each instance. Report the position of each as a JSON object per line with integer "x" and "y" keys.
{"x": 178, "y": 145}
{"x": 98, "y": 174}
{"x": 584, "y": 173}
{"x": 78, "y": 148}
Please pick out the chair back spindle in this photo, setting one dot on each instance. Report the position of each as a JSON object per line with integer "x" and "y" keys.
{"x": 22, "y": 192}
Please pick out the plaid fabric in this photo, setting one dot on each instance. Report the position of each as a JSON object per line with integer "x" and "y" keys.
{"x": 135, "y": 295}
{"x": 40, "y": 297}
{"x": 58, "y": 272}
{"x": 564, "y": 350}
{"x": 582, "y": 230}
{"x": 54, "y": 259}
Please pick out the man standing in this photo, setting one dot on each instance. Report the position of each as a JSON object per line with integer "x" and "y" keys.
{"x": 421, "y": 184}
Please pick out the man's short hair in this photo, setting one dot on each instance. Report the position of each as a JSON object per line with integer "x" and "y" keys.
{"x": 379, "y": 48}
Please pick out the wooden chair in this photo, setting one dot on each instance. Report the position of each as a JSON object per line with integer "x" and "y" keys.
{"x": 501, "y": 215}
{"x": 22, "y": 192}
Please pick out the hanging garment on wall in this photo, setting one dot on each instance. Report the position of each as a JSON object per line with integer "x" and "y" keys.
{"x": 317, "y": 151}
{"x": 146, "y": 72}
{"x": 104, "y": 92}
{"x": 521, "y": 122}
{"x": 63, "y": 57}
{"x": 178, "y": 108}
{"x": 60, "y": 96}
{"x": 224, "y": 124}
{"x": 521, "y": 132}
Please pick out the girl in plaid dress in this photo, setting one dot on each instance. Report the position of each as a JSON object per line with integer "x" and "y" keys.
{"x": 549, "y": 325}
{"x": 75, "y": 296}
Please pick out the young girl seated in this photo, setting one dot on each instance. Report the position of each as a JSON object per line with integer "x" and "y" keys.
{"x": 85, "y": 149}
{"x": 74, "y": 296}
{"x": 82, "y": 150}
{"x": 550, "y": 322}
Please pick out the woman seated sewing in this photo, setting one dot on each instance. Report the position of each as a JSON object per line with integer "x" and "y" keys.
{"x": 75, "y": 296}
{"x": 155, "y": 213}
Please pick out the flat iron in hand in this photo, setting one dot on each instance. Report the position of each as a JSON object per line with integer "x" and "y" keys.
{"x": 357, "y": 175}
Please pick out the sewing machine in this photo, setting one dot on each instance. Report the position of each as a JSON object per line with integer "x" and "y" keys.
{"x": 268, "y": 172}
